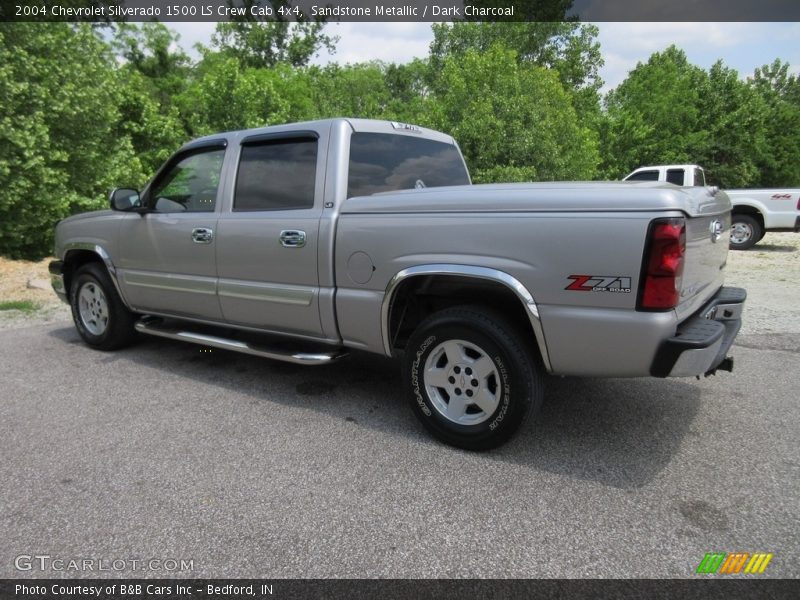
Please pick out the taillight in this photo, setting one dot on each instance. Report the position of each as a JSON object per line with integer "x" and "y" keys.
{"x": 660, "y": 284}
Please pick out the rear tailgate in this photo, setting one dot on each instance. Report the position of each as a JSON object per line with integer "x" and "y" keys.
{"x": 707, "y": 233}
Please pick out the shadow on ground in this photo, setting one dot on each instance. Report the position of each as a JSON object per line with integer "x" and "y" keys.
{"x": 616, "y": 432}
{"x": 772, "y": 248}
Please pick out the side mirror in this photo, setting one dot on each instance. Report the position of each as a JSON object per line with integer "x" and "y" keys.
{"x": 124, "y": 199}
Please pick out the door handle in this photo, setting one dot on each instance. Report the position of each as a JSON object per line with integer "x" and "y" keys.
{"x": 292, "y": 238}
{"x": 202, "y": 235}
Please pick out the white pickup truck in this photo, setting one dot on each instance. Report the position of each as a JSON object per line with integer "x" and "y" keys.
{"x": 754, "y": 212}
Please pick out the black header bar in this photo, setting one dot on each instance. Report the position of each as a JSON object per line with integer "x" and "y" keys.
{"x": 399, "y": 10}
{"x": 388, "y": 589}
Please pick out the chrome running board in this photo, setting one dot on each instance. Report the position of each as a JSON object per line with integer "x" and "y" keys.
{"x": 157, "y": 328}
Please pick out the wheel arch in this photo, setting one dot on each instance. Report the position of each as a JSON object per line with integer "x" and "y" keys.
{"x": 444, "y": 285}
{"x": 752, "y": 210}
{"x": 77, "y": 254}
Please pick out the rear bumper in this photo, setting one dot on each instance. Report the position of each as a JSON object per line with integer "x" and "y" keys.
{"x": 701, "y": 343}
{"x": 56, "y": 268}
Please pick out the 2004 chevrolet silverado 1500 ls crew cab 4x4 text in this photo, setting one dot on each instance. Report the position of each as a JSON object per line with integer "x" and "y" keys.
{"x": 348, "y": 233}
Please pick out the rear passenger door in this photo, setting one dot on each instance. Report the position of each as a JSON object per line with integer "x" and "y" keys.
{"x": 268, "y": 236}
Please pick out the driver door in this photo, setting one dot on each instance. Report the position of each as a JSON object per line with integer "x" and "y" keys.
{"x": 167, "y": 256}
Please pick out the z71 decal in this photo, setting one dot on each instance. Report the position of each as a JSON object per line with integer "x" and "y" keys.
{"x": 599, "y": 283}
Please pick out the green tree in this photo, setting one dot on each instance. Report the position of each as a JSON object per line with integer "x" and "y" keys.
{"x": 373, "y": 90}
{"x": 780, "y": 91}
{"x": 154, "y": 130}
{"x": 570, "y": 49}
{"x": 654, "y": 116}
{"x": 258, "y": 43}
{"x": 513, "y": 121}
{"x": 350, "y": 91}
{"x": 60, "y": 146}
{"x": 733, "y": 118}
{"x": 154, "y": 73}
{"x": 408, "y": 89}
{"x": 776, "y": 79}
{"x": 670, "y": 111}
{"x": 228, "y": 96}
{"x": 152, "y": 50}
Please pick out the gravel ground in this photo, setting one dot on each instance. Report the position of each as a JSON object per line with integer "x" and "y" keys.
{"x": 770, "y": 272}
{"x": 19, "y": 280}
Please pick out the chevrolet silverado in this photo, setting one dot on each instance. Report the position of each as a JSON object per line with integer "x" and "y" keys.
{"x": 299, "y": 242}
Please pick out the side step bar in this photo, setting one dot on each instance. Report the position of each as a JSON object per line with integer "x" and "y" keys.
{"x": 159, "y": 329}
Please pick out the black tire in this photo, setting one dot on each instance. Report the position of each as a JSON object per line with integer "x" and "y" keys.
{"x": 105, "y": 325}
{"x": 746, "y": 231}
{"x": 480, "y": 335}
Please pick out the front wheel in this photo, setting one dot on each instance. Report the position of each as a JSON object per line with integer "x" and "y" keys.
{"x": 99, "y": 314}
{"x": 746, "y": 231}
{"x": 472, "y": 379}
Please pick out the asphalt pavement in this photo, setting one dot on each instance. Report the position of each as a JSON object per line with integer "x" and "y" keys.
{"x": 243, "y": 467}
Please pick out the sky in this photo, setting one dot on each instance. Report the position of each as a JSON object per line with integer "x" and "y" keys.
{"x": 742, "y": 46}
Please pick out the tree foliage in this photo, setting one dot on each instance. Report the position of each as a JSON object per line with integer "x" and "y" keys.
{"x": 230, "y": 96}
{"x": 258, "y": 43}
{"x": 734, "y": 119}
{"x": 780, "y": 91}
{"x": 60, "y": 148}
{"x": 154, "y": 74}
{"x": 745, "y": 133}
{"x": 654, "y": 115}
{"x": 568, "y": 49}
{"x": 514, "y": 121}
{"x": 83, "y": 110}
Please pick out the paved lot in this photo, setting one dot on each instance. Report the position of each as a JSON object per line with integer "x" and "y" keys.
{"x": 257, "y": 468}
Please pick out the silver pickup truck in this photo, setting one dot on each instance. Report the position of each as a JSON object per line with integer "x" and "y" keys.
{"x": 302, "y": 241}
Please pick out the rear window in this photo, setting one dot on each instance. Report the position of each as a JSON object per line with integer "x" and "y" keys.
{"x": 675, "y": 176}
{"x": 381, "y": 162}
{"x": 644, "y": 176}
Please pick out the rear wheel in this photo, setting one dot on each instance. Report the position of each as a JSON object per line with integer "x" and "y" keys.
{"x": 472, "y": 380}
{"x": 746, "y": 231}
{"x": 97, "y": 310}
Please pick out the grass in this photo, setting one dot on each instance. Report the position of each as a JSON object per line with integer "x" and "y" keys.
{"x": 26, "y": 306}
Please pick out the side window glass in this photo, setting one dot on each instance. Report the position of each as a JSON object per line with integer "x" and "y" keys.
{"x": 276, "y": 175}
{"x": 644, "y": 176}
{"x": 699, "y": 177}
{"x": 191, "y": 184}
{"x": 675, "y": 176}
